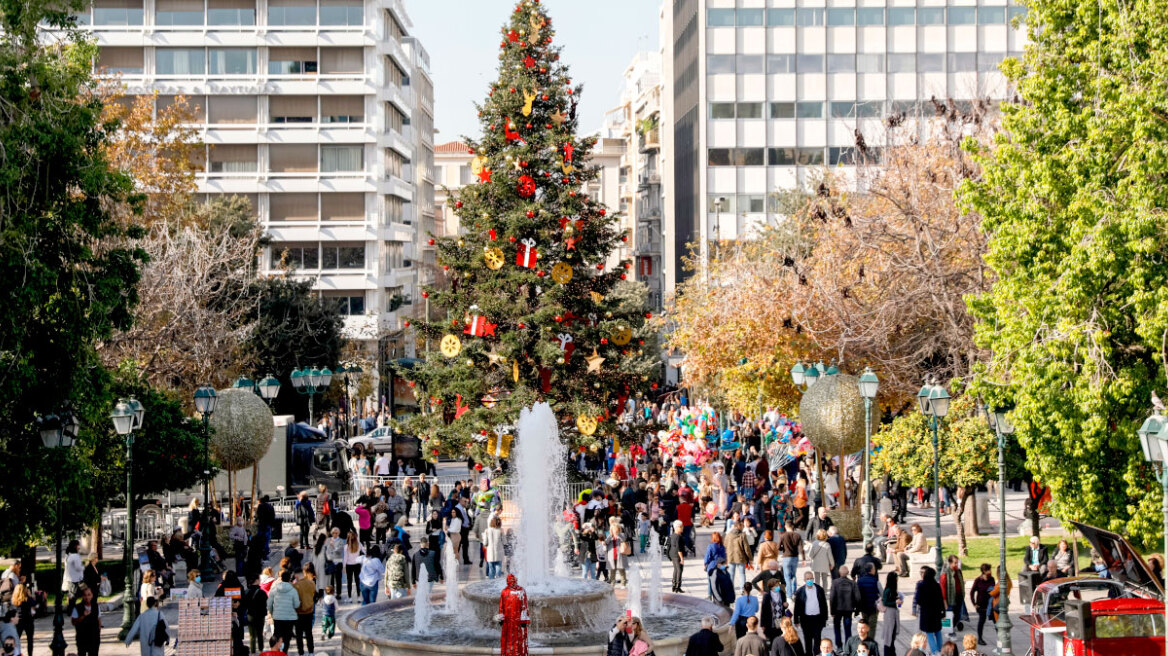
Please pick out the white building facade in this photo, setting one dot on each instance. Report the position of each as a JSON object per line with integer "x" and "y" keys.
{"x": 762, "y": 94}
{"x": 318, "y": 111}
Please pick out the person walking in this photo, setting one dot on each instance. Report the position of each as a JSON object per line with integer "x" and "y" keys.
{"x": 953, "y": 591}
{"x": 706, "y": 642}
{"x": 839, "y": 549}
{"x": 791, "y": 548}
{"x": 25, "y": 604}
{"x": 352, "y": 557}
{"x": 810, "y": 609}
{"x": 738, "y": 552}
{"x": 929, "y": 607}
{"x": 674, "y": 549}
{"x": 306, "y": 610}
{"x": 862, "y": 643}
{"x": 145, "y": 628}
{"x": 787, "y": 643}
{"x": 820, "y": 558}
{"x": 74, "y": 575}
{"x": 492, "y": 539}
{"x": 256, "y": 605}
{"x": 845, "y": 600}
{"x": 890, "y": 600}
{"x": 715, "y": 551}
{"x": 745, "y": 607}
{"x": 305, "y": 516}
{"x": 773, "y": 609}
{"x": 750, "y": 644}
{"x": 372, "y": 571}
{"x": 979, "y": 596}
{"x": 397, "y": 574}
{"x": 86, "y": 619}
{"x": 869, "y": 587}
{"x": 721, "y": 584}
{"x": 283, "y": 599}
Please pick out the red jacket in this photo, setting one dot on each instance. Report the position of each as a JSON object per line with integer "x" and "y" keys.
{"x": 960, "y": 583}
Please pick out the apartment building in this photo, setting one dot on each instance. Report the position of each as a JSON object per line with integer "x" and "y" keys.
{"x": 318, "y": 111}
{"x": 762, "y": 94}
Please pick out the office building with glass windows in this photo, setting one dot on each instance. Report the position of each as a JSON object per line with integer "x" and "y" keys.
{"x": 762, "y": 94}
{"x": 319, "y": 112}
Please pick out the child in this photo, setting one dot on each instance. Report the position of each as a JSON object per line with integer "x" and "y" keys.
{"x": 328, "y": 624}
{"x": 601, "y": 559}
{"x": 643, "y": 530}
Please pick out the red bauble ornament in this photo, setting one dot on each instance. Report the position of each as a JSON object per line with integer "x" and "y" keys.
{"x": 406, "y": 324}
{"x": 530, "y": 214}
{"x": 603, "y": 211}
{"x": 572, "y": 194}
{"x": 559, "y": 319}
{"x": 628, "y": 265}
{"x": 445, "y": 267}
{"x": 512, "y": 89}
{"x": 483, "y": 433}
{"x": 603, "y": 340}
{"x": 545, "y": 97}
{"x": 425, "y": 294}
{"x": 539, "y": 273}
{"x": 569, "y": 92}
{"x": 528, "y": 126}
{"x": 648, "y": 315}
{"x": 653, "y": 386}
{"x": 511, "y": 239}
{"x": 522, "y": 44}
{"x": 547, "y": 174}
{"x": 492, "y": 234}
{"x": 548, "y": 126}
{"x": 458, "y": 204}
{"x": 565, "y": 181}
{"x": 624, "y": 277}
{"x": 543, "y": 70}
{"x": 526, "y": 186}
{"x": 431, "y": 242}
{"x": 470, "y": 151}
{"x": 641, "y": 342}
{"x": 624, "y": 237}
{"x": 521, "y": 326}
{"x": 523, "y": 164}
{"x": 455, "y": 322}
{"x": 600, "y": 267}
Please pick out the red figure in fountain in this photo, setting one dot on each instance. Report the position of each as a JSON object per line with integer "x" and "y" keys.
{"x": 513, "y": 616}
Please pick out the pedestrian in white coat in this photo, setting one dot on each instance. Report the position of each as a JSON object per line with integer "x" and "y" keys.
{"x": 144, "y": 628}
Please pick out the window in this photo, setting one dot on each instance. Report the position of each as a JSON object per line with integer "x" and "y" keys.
{"x": 962, "y": 15}
{"x": 782, "y": 110}
{"x": 750, "y": 18}
{"x": 841, "y": 16}
{"x": 231, "y": 12}
{"x": 292, "y": 109}
{"x": 841, "y": 63}
{"x": 1141, "y": 625}
{"x": 127, "y": 61}
{"x": 394, "y": 76}
{"x": 296, "y": 255}
{"x": 870, "y": 16}
{"x": 232, "y": 109}
{"x": 750, "y": 156}
{"x": 780, "y": 64}
{"x": 720, "y": 18}
{"x": 750, "y": 65}
{"x": 988, "y": 62}
{"x": 780, "y": 17}
{"x": 394, "y": 119}
{"x": 870, "y": 109}
{"x": 809, "y": 156}
{"x": 349, "y": 306}
{"x": 810, "y": 63}
{"x": 342, "y": 109}
{"x": 718, "y": 157}
{"x": 902, "y": 63}
{"x": 1017, "y": 12}
{"x": 721, "y": 203}
{"x": 394, "y": 162}
{"x": 180, "y": 61}
{"x": 342, "y": 159}
{"x": 721, "y": 110}
{"x": 908, "y": 108}
{"x": 342, "y": 60}
{"x": 233, "y": 158}
{"x": 342, "y": 256}
{"x": 807, "y": 16}
{"x": 178, "y": 12}
{"x": 292, "y": 207}
{"x": 342, "y": 12}
{"x": 991, "y": 15}
{"x": 719, "y": 64}
{"x": 809, "y": 109}
{"x": 931, "y": 63}
{"x": 837, "y": 156}
{"x": 781, "y": 156}
{"x": 292, "y": 12}
{"x": 751, "y": 204}
{"x": 343, "y": 207}
{"x": 749, "y": 110}
{"x": 117, "y": 12}
{"x": 232, "y": 61}
{"x": 902, "y": 16}
{"x": 735, "y": 157}
{"x": 866, "y": 63}
{"x": 197, "y": 105}
{"x": 292, "y": 61}
{"x": 395, "y": 259}
{"x": 931, "y": 16}
{"x": 843, "y": 109}
{"x": 292, "y": 158}
{"x": 962, "y": 62}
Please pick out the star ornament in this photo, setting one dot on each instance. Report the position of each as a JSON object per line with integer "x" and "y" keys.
{"x": 594, "y": 361}
{"x": 495, "y": 358}
{"x": 485, "y": 175}
{"x": 513, "y": 36}
{"x": 559, "y": 117}
{"x": 529, "y": 62}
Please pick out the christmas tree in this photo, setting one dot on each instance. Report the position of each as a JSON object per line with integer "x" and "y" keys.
{"x": 533, "y": 311}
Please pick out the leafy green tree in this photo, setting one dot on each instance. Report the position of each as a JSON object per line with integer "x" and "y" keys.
{"x": 292, "y": 328}
{"x": 967, "y": 454}
{"x": 67, "y": 270}
{"x": 1072, "y": 198}
{"x": 548, "y": 314}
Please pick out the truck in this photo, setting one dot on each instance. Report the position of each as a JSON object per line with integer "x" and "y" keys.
{"x": 300, "y": 457}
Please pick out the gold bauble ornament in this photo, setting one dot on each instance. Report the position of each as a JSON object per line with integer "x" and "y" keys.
{"x": 493, "y": 257}
{"x": 460, "y": 243}
{"x": 469, "y": 362}
{"x": 832, "y": 412}
{"x": 562, "y": 273}
{"x": 622, "y": 336}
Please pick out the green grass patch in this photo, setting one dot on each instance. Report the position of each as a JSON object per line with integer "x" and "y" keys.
{"x": 985, "y": 550}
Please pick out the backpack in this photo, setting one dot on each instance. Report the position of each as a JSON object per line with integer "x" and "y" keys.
{"x": 161, "y": 637}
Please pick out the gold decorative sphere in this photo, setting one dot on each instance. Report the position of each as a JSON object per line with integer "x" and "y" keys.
{"x": 832, "y": 413}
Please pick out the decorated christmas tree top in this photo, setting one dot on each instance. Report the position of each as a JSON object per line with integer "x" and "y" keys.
{"x": 533, "y": 312}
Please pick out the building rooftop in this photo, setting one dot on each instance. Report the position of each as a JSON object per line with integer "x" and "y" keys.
{"x": 450, "y": 148}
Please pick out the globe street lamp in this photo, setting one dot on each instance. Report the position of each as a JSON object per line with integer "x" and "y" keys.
{"x": 205, "y": 400}
{"x": 269, "y": 388}
{"x": 311, "y": 382}
{"x": 868, "y": 386}
{"x": 1154, "y": 442}
{"x": 934, "y": 402}
{"x": 1003, "y": 428}
{"x": 127, "y": 417}
{"x": 58, "y": 432}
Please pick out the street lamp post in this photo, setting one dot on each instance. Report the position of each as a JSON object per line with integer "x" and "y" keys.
{"x": 205, "y": 400}
{"x": 1154, "y": 442}
{"x": 934, "y": 402}
{"x": 311, "y": 382}
{"x": 58, "y": 432}
{"x": 353, "y": 369}
{"x": 1003, "y": 428}
{"x": 127, "y": 418}
{"x": 868, "y": 386}
{"x": 268, "y": 389}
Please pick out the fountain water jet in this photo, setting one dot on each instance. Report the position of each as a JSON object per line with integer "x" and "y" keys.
{"x": 453, "y": 595}
{"x": 423, "y": 611}
{"x": 542, "y": 486}
{"x": 633, "y": 596}
{"x": 655, "y": 567}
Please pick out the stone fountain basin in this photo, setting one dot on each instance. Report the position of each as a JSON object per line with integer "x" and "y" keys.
{"x": 357, "y": 642}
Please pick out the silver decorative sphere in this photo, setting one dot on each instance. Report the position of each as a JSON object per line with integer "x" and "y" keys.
{"x": 242, "y": 429}
{"x": 832, "y": 413}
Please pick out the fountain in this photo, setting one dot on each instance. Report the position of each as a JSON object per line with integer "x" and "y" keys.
{"x": 568, "y": 615}
{"x": 453, "y": 595}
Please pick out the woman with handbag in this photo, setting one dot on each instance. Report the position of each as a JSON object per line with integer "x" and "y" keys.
{"x": 334, "y": 564}
{"x": 619, "y": 548}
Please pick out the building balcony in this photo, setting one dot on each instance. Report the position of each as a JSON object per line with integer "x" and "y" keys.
{"x": 647, "y": 180}
{"x": 650, "y": 141}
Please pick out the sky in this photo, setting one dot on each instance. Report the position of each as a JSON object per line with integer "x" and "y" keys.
{"x": 599, "y": 39}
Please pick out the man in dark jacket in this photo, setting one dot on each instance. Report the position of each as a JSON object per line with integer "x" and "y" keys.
{"x": 1036, "y": 556}
{"x": 810, "y": 610}
{"x": 265, "y": 523}
{"x": 674, "y": 548}
{"x": 863, "y": 637}
{"x": 722, "y": 584}
{"x": 845, "y": 597}
{"x": 704, "y": 642}
{"x": 861, "y": 564}
{"x": 839, "y": 550}
{"x": 869, "y": 587}
{"x": 819, "y": 521}
{"x": 425, "y": 556}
